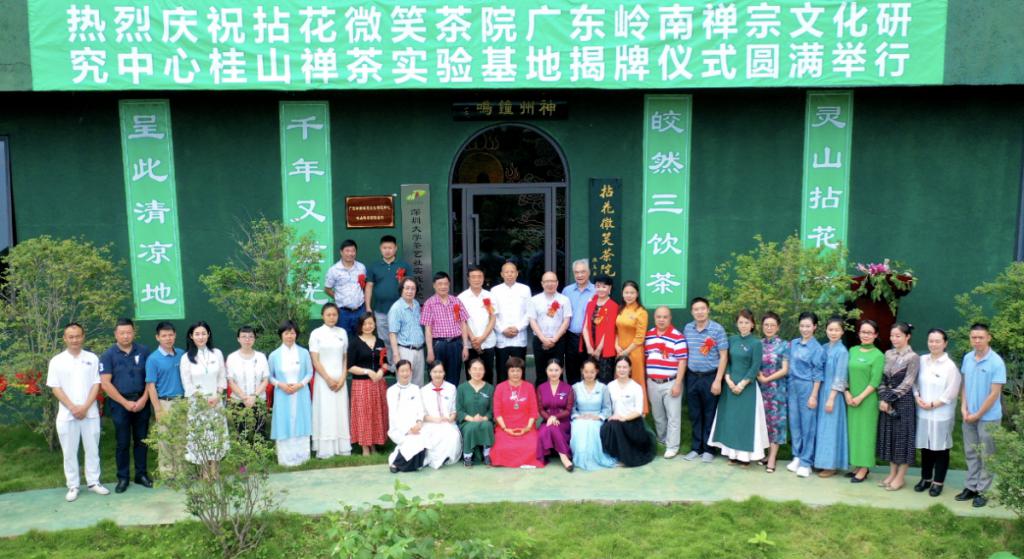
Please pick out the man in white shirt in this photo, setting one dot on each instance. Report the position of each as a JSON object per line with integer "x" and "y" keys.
{"x": 511, "y": 299}
{"x": 549, "y": 313}
{"x": 480, "y": 305}
{"x": 346, "y": 284}
{"x": 74, "y": 377}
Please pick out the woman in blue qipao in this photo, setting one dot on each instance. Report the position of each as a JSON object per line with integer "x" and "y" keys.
{"x": 831, "y": 448}
{"x": 591, "y": 408}
{"x": 291, "y": 369}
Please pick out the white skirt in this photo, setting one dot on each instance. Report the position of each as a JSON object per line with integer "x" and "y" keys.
{"x": 330, "y": 420}
{"x": 293, "y": 451}
{"x": 761, "y": 441}
{"x": 444, "y": 443}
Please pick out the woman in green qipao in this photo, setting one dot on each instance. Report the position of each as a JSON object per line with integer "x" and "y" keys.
{"x": 473, "y": 405}
{"x": 865, "y": 369}
{"x": 739, "y": 428}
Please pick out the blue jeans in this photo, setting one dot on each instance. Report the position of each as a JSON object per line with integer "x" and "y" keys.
{"x": 802, "y": 421}
{"x": 349, "y": 320}
{"x": 130, "y": 429}
{"x": 701, "y": 405}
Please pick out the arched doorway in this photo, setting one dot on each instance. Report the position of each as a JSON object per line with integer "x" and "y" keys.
{"x": 509, "y": 186}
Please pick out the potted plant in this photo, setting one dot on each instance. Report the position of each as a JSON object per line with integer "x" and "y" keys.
{"x": 877, "y": 291}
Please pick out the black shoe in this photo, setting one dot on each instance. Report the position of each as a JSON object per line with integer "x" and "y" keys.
{"x": 922, "y": 485}
{"x": 979, "y": 501}
{"x": 966, "y": 495}
{"x": 122, "y": 486}
{"x": 569, "y": 468}
{"x": 936, "y": 490}
{"x": 467, "y": 462}
{"x": 143, "y": 480}
{"x": 849, "y": 474}
{"x": 856, "y": 479}
{"x": 394, "y": 469}
{"x": 487, "y": 460}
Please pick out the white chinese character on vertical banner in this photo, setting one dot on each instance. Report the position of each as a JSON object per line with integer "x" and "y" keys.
{"x": 666, "y": 122}
{"x": 893, "y": 18}
{"x": 827, "y": 162}
{"x": 311, "y": 290}
{"x": 144, "y": 126}
{"x": 155, "y": 252}
{"x": 306, "y": 169}
{"x": 132, "y": 24}
{"x": 828, "y": 114}
{"x": 85, "y": 24}
{"x": 161, "y": 293}
{"x": 151, "y": 211}
{"x": 662, "y": 283}
{"x": 308, "y": 207}
{"x": 173, "y": 64}
{"x": 822, "y": 236}
{"x": 407, "y": 23}
{"x": 829, "y": 201}
{"x": 665, "y": 162}
{"x": 664, "y": 245}
{"x": 664, "y": 203}
{"x": 87, "y": 61}
{"x": 147, "y": 168}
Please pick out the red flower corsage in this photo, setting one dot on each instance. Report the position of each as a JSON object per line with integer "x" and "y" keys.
{"x": 400, "y": 275}
{"x": 553, "y": 308}
{"x": 487, "y": 305}
{"x": 457, "y": 312}
{"x": 707, "y": 346}
{"x": 362, "y": 281}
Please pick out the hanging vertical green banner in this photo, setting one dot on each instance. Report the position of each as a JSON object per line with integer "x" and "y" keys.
{"x": 606, "y": 246}
{"x": 306, "y": 182}
{"x": 152, "y": 203}
{"x": 828, "y": 127}
{"x": 666, "y": 208}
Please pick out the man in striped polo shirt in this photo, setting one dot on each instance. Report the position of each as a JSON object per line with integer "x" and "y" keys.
{"x": 665, "y": 349}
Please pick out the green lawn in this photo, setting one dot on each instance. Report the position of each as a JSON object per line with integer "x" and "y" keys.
{"x": 595, "y": 530}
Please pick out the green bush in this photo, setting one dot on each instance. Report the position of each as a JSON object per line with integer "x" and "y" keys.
{"x": 267, "y": 281}
{"x": 409, "y": 528}
{"x": 1008, "y": 465}
{"x": 48, "y": 283}
{"x": 788, "y": 279}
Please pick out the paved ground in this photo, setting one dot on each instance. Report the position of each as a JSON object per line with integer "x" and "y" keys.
{"x": 320, "y": 491}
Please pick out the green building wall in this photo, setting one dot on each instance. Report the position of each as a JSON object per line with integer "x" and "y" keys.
{"x": 935, "y": 179}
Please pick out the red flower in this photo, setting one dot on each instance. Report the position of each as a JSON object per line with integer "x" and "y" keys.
{"x": 553, "y": 308}
{"x": 487, "y": 305}
{"x": 707, "y": 346}
{"x": 400, "y": 275}
{"x": 383, "y": 358}
{"x": 32, "y": 388}
{"x": 457, "y": 312}
{"x": 3, "y": 385}
{"x": 362, "y": 281}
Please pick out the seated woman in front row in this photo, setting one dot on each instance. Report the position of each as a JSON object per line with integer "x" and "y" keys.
{"x": 591, "y": 407}
{"x": 556, "y": 400}
{"x": 444, "y": 442}
{"x": 624, "y": 436}
{"x": 405, "y": 422}
{"x": 473, "y": 405}
{"x": 515, "y": 414}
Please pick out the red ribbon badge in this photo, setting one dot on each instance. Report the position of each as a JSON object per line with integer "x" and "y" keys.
{"x": 457, "y": 312}
{"x": 707, "y": 346}
{"x": 553, "y": 308}
{"x": 362, "y": 281}
{"x": 400, "y": 275}
{"x": 383, "y": 358}
{"x": 487, "y": 305}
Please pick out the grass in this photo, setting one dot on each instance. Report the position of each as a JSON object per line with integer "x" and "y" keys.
{"x": 595, "y": 530}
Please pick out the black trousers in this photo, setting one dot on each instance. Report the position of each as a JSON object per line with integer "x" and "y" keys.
{"x": 487, "y": 356}
{"x": 934, "y": 462}
{"x": 130, "y": 429}
{"x": 541, "y": 357}
{"x": 449, "y": 352}
{"x": 701, "y": 405}
{"x": 501, "y": 356}
{"x": 574, "y": 358}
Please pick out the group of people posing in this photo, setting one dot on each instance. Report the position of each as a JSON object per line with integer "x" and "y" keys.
{"x": 600, "y": 369}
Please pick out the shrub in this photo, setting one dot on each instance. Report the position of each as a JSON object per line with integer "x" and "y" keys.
{"x": 48, "y": 283}
{"x": 788, "y": 279}
{"x": 1008, "y": 465}
{"x": 268, "y": 281}
{"x": 226, "y": 485}
{"x": 409, "y": 528}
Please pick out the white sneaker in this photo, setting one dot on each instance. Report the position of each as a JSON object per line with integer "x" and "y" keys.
{"x": 803, "y": 471}
{"x": 707, "y": 457}
{"x": 71, "y": 495}
{"x": 793, "y": 465}
{"x": 693, "y": 455}
{"x": 99, "y": 489}
{"x": 671, "y": 453}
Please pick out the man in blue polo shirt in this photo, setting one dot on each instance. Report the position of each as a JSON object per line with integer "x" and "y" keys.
{"x": 579, "y": 293}
{"x": 981, "y": 407}
{"x": 123, "y": 376}
{"x": 163, "y": 381}
{"x": 707, "y": 354}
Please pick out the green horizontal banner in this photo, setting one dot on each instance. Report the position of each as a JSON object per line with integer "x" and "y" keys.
{"x": 436, "y": 44}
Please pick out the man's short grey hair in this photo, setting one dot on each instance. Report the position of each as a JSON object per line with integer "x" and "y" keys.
{"x": 582, "y": 261}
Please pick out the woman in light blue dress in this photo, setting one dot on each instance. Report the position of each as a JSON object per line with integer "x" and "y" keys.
{"x": 591, "y": 408}
{"x": 290, "y": 372}
{"x": 831, "y": 450}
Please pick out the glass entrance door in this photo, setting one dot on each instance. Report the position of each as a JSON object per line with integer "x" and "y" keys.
{"x": 499, "y": 223}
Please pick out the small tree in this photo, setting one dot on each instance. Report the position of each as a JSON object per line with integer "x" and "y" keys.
{"x": 48, "y": 283}
{"x": 268, "y": 281}
{"x": 1000, "y": 304}
{"x": 787, "y": 279}
{"x": 226, "y": 477}
{"x": 1008, "y": 465}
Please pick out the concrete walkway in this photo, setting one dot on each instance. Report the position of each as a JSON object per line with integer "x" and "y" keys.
{"x": 321, "y": 491}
